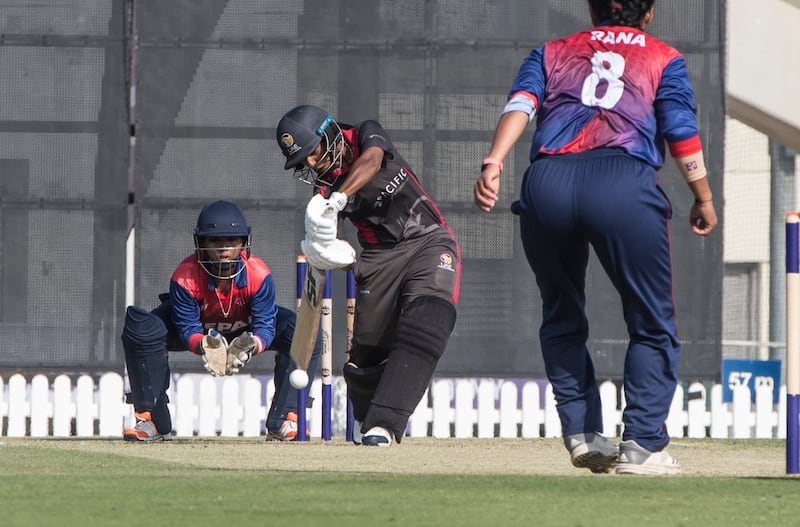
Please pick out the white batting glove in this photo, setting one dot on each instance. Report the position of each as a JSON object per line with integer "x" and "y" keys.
{"x": 321, "y": 220}
{"x": 241, "y": 349}
{"x": 322, "y": 232}
{"x": 337, "y": 254}
{"x": 214, "y": 349}
{"x": 338, "y": 201}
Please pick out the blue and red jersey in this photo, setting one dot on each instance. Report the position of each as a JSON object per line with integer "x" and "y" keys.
{"x": 198, "y": 306}
{"x": 610, "y": 87}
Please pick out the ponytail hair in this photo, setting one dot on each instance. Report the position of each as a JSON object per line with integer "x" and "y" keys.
{"x": 621, "y": 12}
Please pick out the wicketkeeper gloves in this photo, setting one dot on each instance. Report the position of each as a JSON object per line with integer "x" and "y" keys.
{"x": 241, "y": 350}
{"x": 214, "y": 349}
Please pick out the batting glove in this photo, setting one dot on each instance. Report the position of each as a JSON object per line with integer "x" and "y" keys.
{"x": 322, "y": 232}
{"x": 322, "y": 217}
{"x": 338, "y": 201}
{"x": 214, "y": 349}
{"x": 240, "y": 351}
{"x": 321, "y": 220}
{"x": 337, "y": 254}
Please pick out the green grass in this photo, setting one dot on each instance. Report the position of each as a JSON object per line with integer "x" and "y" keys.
{"x": 41, "y": 486}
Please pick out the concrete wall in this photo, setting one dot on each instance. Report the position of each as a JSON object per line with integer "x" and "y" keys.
{"x": 763, "y": 74}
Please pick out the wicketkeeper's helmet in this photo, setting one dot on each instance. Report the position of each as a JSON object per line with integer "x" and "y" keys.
{"x": 221, "y": 219}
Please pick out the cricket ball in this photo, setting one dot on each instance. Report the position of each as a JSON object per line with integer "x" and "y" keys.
{"x": 298, "y": 379}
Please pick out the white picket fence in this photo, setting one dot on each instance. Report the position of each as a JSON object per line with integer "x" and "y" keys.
{"x": 204, "y": 406}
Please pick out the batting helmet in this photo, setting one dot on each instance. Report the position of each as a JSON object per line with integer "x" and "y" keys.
{"x": 300, "y": 131}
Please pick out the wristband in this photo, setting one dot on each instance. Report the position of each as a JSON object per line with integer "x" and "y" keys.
{"x": 492, "y": 161}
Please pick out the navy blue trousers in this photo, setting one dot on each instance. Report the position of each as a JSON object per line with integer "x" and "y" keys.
{"x": 610, "y": 201}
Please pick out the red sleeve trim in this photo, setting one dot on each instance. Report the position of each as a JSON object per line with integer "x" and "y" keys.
{"x": 194, "y": 343}
{"x": 686, "y": 147}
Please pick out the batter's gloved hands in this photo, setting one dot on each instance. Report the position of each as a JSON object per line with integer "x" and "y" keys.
{"x": 322, "y": 220}
{"x": 214, "y": 350}
{"x": 337, "y": 254}
{"x": 241, "y": 350}
{"x": 338, "y": 201}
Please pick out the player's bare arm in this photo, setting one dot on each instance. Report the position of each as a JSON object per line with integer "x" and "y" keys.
{"x": 487, "y": 187}
{"x": 702, "y": 217}
{"x": 363, "y": 170}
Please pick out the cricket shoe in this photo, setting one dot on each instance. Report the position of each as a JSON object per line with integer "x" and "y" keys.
{"x": 144, "y": 430}
{"x": 287, "y": 431}
{"x": 634, "y": 459}
{"x": 593, "y": 451}
{"x": 377, "y": 436}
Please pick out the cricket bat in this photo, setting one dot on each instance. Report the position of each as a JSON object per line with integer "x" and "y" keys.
{"x": 309, "y": 310}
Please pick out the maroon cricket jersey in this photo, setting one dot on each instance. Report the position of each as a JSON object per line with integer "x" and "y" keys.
{"x": 392, "y": 206}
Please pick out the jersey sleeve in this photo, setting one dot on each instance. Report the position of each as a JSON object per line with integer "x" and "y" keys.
{"x": 675, "y": 108}
{"x": 530, "y": 78}
{"x": 186, "y": 316}
{"x": 263, "y": 311}
{"x": 371, "y": 133}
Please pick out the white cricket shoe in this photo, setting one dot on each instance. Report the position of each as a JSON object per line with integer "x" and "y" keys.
{"x": 377, "y": 436}
{"x": 633, "y": 459}
{"x": 593, "y": 451}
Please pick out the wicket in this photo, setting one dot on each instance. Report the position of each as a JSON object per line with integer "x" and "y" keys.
{"x": 326, "y": 359}
{"x": 792, "y": 343}
{"x": 302, "y": 395}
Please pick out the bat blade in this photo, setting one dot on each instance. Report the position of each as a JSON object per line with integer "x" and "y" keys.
{"x": 308, "y": 317}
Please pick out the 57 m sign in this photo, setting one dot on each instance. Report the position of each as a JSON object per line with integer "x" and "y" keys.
{"x": 750, "y": 373}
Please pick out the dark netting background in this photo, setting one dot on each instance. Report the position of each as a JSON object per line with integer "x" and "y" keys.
{"x": 212, "y": 79}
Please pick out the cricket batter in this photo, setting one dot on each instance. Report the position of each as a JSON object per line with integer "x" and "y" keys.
{"x": 605, "y": 100}
{"x": 408, "y": 272}
{"x": 221, "y": 294}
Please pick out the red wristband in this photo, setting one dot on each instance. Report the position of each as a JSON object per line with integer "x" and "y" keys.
{"x": 492, "y": 161}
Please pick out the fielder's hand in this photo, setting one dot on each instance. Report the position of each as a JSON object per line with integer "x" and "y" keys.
{"x": 215, "y": 353}
{"x": 487, "y": 188}
{"x": 337, "y": 254}
{"x": 241, "y": 349}
{"x": 703, "y": 217}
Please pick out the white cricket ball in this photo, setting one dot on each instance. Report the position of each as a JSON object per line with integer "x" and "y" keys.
{"x": 298, "y": 379}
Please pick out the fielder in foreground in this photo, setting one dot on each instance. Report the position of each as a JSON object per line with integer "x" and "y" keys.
{"x": 408, "y": 272}
{"x": 220, "y": 306}
{"x": 606, "y": 100}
